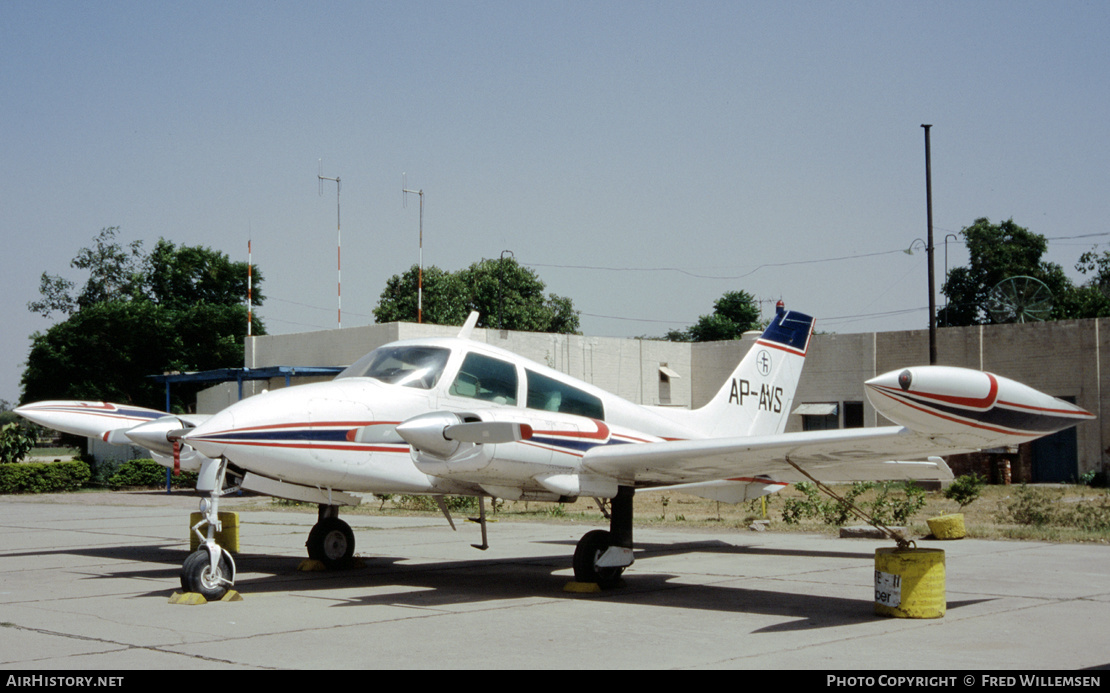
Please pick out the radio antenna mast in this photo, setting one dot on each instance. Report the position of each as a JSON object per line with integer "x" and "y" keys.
{"x": 250, "y": 302}
{"x": 338, "y": 242}
{"x": 420, "y": 270}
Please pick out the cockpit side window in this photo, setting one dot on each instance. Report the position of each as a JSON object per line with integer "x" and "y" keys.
{"x": 411, "y": 366}
{"x": 549, "y": 394}
{"x": 485, "y": 378}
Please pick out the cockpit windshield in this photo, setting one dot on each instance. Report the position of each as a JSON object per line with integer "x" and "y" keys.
{"x": 411, "y": 366}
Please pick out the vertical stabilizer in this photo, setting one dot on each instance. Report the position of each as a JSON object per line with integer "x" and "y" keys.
{"x": 756, "y": 399}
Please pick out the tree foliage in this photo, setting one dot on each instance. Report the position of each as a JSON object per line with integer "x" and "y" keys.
{"x": 734, "y": 313}
{"x": 176, "y": 309}
{"x": 1092, "y": 299}
{"x": 506, "y": 295}
{"x": 1000, "y": 251}
{"x": 15, "y": 442}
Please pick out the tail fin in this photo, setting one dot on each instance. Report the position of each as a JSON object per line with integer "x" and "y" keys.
{"x": 756, "y": 399}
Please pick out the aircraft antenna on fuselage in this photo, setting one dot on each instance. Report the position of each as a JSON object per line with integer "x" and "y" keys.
{"x": 468, "y": 326}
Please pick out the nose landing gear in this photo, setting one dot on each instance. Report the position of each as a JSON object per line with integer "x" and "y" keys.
{"x": 210, "y": 570}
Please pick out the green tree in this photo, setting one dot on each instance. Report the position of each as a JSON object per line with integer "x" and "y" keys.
{"x": 115, "y": 273}
{"x": 177, "y": 277}
{"x": 15, "y": 443}
{"x": 138, "y": 315}
{"x": 733, "y": 314}
{"x": 445, "y": 301}
{"x": 505, "y": 294}
{"x": 1093, "y": 297}
{"x": 509, "y": 296}
{"x": 997, "y": 252}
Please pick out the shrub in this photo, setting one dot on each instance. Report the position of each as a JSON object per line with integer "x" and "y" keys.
{"x": 43, "y": 477}
{"x": 1031, "y": 506}
{"x": 1094, "y": 479}
{"x": 965, "y": 489}
{"x": 1092, "y": 517}
{"x": 147, "y": 473}
{"x": 883, "y": 508}
{"x": 15, "y": 443}
{"x": 460, "y": 504}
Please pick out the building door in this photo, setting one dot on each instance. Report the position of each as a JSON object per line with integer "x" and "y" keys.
{"x": 1056, "y": 457}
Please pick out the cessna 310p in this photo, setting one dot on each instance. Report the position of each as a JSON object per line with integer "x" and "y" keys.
{"x": 453, "y": 416}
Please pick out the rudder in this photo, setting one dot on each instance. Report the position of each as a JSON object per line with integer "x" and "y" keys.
{"x": 756, "y": 398}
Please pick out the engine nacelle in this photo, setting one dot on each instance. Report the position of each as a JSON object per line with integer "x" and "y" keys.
{"x": 508, "y": 449}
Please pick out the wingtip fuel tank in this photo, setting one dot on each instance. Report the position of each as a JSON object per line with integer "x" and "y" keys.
{"x": 947, "y": 399}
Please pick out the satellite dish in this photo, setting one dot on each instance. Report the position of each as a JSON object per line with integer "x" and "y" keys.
{"x": 1019, "y": 299}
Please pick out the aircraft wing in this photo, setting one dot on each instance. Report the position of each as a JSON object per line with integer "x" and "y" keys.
{"x": 856, "y": 454}
{"x": 942, "y": 411}
{"x": 119, "y": 424}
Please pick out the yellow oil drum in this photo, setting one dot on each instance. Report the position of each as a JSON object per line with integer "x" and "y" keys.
{"x": 947, "y": 526}
{"x": 227, "y": 537}
{"x": 909, "y": 583}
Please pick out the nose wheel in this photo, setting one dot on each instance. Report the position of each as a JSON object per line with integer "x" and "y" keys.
{"x": 208, "y": 578}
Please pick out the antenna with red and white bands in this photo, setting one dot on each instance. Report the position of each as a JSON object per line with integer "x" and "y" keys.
{"x": 338, "y": 241}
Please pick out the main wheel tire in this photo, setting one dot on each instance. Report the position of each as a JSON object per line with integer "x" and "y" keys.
{"x": 589, "y": 550}
{"x": 197, "y": 575}
{"x": 331, "y": 542}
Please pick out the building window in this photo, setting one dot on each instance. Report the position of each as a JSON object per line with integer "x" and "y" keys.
{"x": 853, "y": 415}
{"x": 819, "y": 416}
{"x": 665, "y": 376}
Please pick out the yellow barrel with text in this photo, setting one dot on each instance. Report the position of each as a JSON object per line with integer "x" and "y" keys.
{"x": 909, "y": 583}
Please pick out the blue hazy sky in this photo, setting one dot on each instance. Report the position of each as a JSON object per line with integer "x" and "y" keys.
{"x": 643, "y": 157}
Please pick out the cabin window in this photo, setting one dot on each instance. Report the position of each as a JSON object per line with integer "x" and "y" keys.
{"x": 411, "y": 366}
{"x": 548, "y": 394}
{"x": 485, "y": 378}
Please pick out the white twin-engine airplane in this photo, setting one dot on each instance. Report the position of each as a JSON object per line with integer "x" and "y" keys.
{"x": 451, "y": 416}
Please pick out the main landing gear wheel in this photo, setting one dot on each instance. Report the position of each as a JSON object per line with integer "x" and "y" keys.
{"x": 589, "y": 550}
{"x": 198, "y": 576}
{"x": 331, "y": 542}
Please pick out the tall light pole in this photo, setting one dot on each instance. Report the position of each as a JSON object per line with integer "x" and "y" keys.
{"x": 500, "y": 295}
{"x": 954, "y": 237}
{"x": 338, "y": 244}
{"x": 929, "y": 251}
{"x": 420, "y": 270}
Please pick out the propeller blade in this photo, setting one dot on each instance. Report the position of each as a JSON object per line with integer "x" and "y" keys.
{"x": 376, "y": 434}
{"x": 485, "y": 432}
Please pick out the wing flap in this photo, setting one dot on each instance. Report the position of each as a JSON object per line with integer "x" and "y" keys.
{"x": 840, "y": 455}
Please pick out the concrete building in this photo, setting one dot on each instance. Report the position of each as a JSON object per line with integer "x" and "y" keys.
{"x": 1061, "y": 358}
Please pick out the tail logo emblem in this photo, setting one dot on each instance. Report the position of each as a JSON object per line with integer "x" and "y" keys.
{"x": 763, "y": 362}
